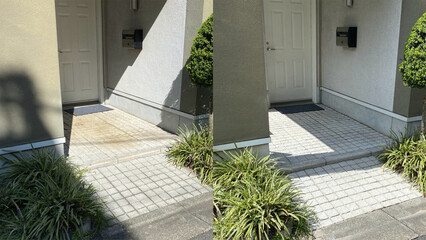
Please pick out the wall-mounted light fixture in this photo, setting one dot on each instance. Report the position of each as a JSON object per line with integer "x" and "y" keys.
{"x": 349, "y": 3}
{"x": 134, "y": 5}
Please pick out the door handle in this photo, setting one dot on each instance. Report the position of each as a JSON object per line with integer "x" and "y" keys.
{"x": 59, "y": 51}
{"x": 270, "y": 49}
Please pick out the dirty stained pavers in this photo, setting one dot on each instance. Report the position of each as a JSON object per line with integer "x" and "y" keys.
{"x": 103, "y": 138}
{"x": 125, "y": 161}
{"x": 311, "y": 139}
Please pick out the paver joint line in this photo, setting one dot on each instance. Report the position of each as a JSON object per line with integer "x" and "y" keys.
{"x": 127, "y": 165}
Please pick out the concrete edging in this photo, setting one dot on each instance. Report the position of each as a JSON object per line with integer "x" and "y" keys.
{"x": 289, "y": 168}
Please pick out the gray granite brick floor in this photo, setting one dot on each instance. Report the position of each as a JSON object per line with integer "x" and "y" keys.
{"x": 347, "y": 189}
{"x": 125, "y": 161}
{"x": 143, "y": 185}
{"x": 310, "y": 137}
{"x": 107, "y": 137}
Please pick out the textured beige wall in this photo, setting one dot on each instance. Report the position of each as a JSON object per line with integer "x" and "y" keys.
{"x": 30, "y": 96}
{"x": 240, "y": 104}
{"x": 367, "y": 72}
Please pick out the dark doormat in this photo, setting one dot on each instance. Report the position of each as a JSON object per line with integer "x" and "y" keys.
{"x": 79, "y": 111}
{"x": 299, "y": 108}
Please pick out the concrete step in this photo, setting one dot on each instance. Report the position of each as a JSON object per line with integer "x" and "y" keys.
{"x": 124, "y": 158}
{"x": 295, "y": 166}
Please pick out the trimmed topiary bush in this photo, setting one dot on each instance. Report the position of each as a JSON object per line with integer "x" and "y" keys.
{"x": 43, "y": 197}
{"x": 413, "y": 66}
{"x": 200, "y": 66}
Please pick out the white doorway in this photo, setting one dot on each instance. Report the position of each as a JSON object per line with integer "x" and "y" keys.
{"x": 78, "y": 50}
{"x": 289, "y": 46}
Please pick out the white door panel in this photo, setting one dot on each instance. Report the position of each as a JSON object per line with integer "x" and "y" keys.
{"x": 289, "y": 58}
{"x": 76, "y": 28}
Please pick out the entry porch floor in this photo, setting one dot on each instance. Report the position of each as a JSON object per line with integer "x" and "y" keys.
{"x": 311, "y": 139}
{"x": 331, "y": 157}
{"x": 125, "y": 161}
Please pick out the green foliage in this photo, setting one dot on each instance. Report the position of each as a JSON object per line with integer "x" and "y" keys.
{"x": 44, "y": 197}
{"x": 254, "y": 200}
{"x": 407, "y": 155}
{"x": 413, "y": 66}
{"x": 194, "y": 149}
{"x": 200, "y": 66}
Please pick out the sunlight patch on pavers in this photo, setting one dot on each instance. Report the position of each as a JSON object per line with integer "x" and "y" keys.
{"x": 125, "y": 161}
{"x": 351, "y": 188}
{"x": 312, "y": 135}
{"x": 143, "y": 185}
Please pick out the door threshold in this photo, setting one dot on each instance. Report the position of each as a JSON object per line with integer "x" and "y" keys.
{"x": 79, "y": 104}
{"x": 284, "y": 104}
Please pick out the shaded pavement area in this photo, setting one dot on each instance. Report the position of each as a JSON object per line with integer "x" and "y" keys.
{"x": 311, "y": 139}
{"x": 406, "y": 220}
{"x": 125, "y": 161}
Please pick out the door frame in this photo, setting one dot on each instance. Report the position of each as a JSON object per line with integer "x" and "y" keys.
{"x": 315, "y": 29}
{"x": 99, "y": 50}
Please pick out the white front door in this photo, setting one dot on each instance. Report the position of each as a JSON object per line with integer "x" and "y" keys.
{"x": 76, "y": 27}
{"x": 288, "y": 50}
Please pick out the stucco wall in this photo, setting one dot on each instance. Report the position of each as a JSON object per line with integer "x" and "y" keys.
{"x": 155, "y": 72}
{"x": 366, "y": 73}
{"x": 30, "y": 97}
{"x": 194, "y": 100}
{"x": 408, "y": 101}
{"x": 240, "y": 107}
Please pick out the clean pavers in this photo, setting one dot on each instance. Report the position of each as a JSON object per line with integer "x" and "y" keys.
{"x": 333, "y": 163}
{"x": 125, "y": 161}
{"x": 143, "y": 185}
{"x": 347, "y": 189}
{"x": 406, "y": 220}
{"x": 311, "y": 139}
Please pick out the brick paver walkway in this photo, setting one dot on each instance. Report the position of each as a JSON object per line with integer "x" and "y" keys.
{"x": 110, "y": 136}
{"x": 125, "y": 159}
{"x": 313, "y": 136}
{"x": 142, "y": 185}
{"x": 351, "y": 188}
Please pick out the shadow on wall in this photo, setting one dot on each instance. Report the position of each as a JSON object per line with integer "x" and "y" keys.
{"x": 156, "y": 73}
{"x": 192, "y": 100}
{"x": 20, "y": 122}
{"x": 119, "y": 17}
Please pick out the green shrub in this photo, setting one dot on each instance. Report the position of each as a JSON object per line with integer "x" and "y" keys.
{"x": 254, "y": 200}
{"x": 407, "y": 155}
{"x": 194, "y": 149}
{"x": 413, "y": 66}
{"x": 44, "y": 197}
{"x": 200, "y": 66}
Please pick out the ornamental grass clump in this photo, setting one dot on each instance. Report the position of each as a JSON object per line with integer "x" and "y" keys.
{"x": 407, "y": 155}
{"x": 44, "y": 197}
{"x": 254, "y": 200}
{"x": 194, "y": 149}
